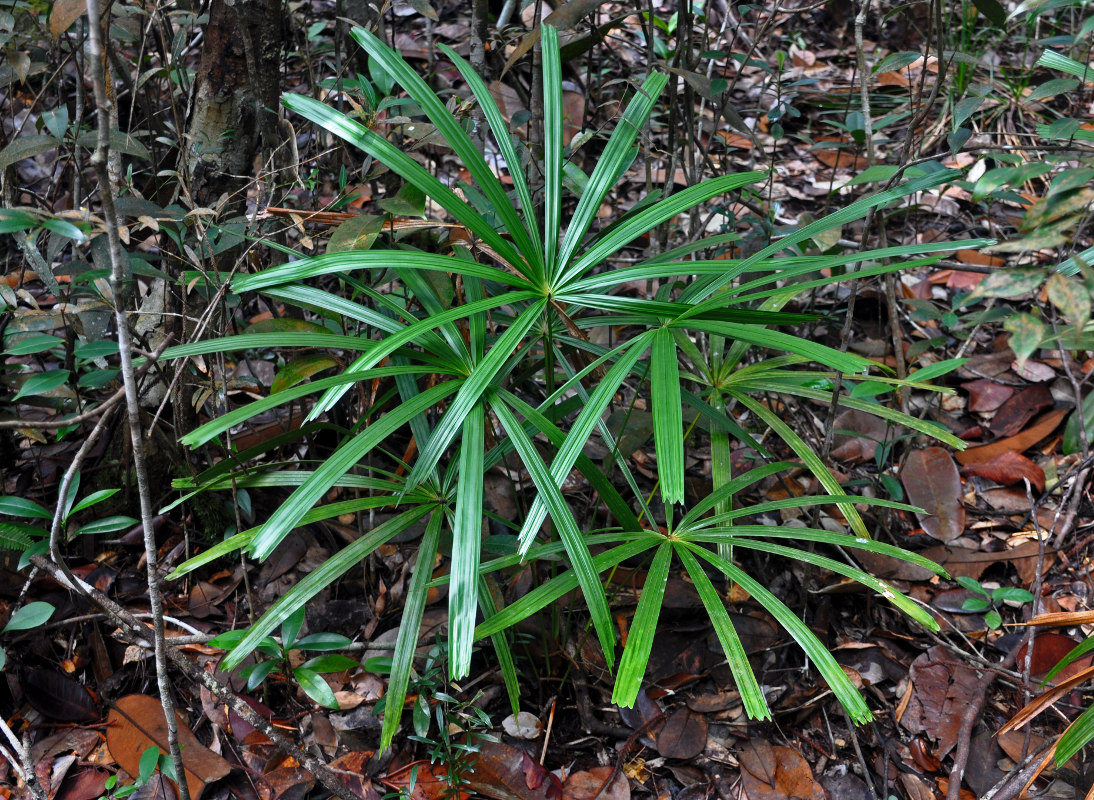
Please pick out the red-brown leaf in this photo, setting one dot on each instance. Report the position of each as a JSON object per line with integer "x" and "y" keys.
{"x": 1007, "y": 469}
{"x": 930, "y": 478}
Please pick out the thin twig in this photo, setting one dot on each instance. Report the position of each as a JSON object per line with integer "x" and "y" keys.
{"x": 103, "y": 162}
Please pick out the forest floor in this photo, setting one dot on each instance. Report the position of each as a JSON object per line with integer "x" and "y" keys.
{"x": 1011, "y": 514}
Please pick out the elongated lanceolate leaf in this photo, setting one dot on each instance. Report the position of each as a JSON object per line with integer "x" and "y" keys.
{"x": 636, "y": 655}
{"x": 832, "y": 672}
{"x": 410, "y": 623}
{"x": 289, "y": 513}
{"x": 752, "y": 696}
{"x": 463, "y": 601}
{"x": 582, "y": 428}
{"x": 504, "y": 141}
{"x": 552, "y": 144}
{"x": 611, "y": 162}
{"x": 320, "y": 578}
{"x": 382, "y": 150}
{"x": 454, "y": 135}
{"x": 580, "y": 557}
{"x": 668, "y": 416}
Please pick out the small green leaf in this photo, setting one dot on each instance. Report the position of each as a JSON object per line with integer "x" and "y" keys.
{"x": 420, "y": 715}
{"x": 290, "y": 628}
{"x": 971, "y": 584}
{"x": 147, "y": 764}
{"x": 356, "y": 233}
{"x": 255, "y": 674}
{"x": 1027, "y": 333}
{"x": 26, "y": 147}
{"x": 43, "y": 383}
{"x": 322, "y": 641}
{"x": 315, "y": 687}
{"x": 992, "y": 619}
{"x": 22, "y": 507}
{"x": 34, "y": 344}
{"x": 107, "y": 525}
{"x": 975, "y": 604}
{"x": 93, "y": 498}
{"x": 29, "y": 616}
{"x": 332, "y": 662}
{"x": 1013, "y": 593}
{"x": 1073, "y": 431}
{"x": 895, "y": 61}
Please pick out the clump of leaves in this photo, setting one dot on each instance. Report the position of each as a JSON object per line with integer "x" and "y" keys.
{"x": 307, "y": 675}
{"x": 456, "y": 337}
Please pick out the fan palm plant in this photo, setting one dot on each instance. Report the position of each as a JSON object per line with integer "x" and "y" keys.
{"x": 527, "y": 306}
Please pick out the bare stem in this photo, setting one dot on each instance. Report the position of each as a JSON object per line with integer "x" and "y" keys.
{"x": 101, "y": 161}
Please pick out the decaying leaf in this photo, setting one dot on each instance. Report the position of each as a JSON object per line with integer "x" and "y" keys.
{"x": 1007, "y": 469}
{"x": 941, "y": 687}
{"x": 777, "y": 773}
{"x": 930, "y": 478}
{"x": 136, "y": 723}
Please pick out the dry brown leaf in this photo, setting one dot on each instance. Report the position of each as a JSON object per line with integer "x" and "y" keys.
{"x": 1008, "y": 469}
{"x": 136, "y": 723}
{"x": 590, "y": 785}
{"x": 942, "y": 687}
{"x": 1023, "y": 441}
{"x": 778, "y": 773}
{"x": 930, "y": 478}
{"x": 1020, "y": 408}
{"x": 986, "y": 394}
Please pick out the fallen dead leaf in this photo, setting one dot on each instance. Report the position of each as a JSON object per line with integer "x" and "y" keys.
{"x": 136, "y": 723}
{"x": 1008, "y": 469}
{"x": 1019, "y": 409}
{"x": 591, "y": 784}
{"x": 684, "y": 734}
{"x": 986, "y": 395}
{"x": 941, "y": 688}
{"x": 777, "y": 773}
{"x": 930, "y": 478}
{"x": 1023, "y": 441}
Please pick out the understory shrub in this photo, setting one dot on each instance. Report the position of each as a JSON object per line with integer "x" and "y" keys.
{"x": 494, "y": 351}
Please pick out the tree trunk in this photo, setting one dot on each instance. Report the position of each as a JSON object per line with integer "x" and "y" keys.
{"x": 234, "y": 113}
